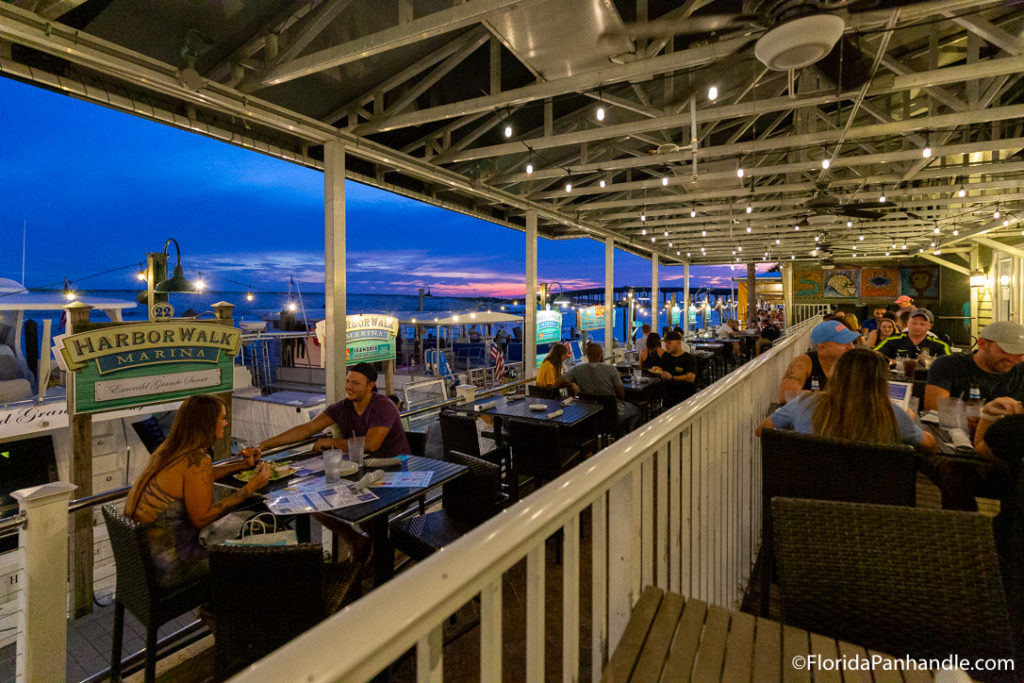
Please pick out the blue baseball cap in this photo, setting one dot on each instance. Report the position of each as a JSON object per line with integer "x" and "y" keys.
{"x": 834, "y": 331}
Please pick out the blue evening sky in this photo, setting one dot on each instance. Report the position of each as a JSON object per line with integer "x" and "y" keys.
{"x": 97, "y": 189}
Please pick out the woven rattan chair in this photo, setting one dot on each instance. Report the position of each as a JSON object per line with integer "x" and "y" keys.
{"x": 459, "y": 433}
{"x": 467, "y": 501}
{"x": 806, "y": 466}
{"x": 138, "y": 591}
{"x": 905, "y": 581}
{"x": 537, "y": 450}
{"x": 263, "y": 596}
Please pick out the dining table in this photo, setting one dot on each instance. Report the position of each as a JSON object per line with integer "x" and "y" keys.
{"x": 371, "y": 516}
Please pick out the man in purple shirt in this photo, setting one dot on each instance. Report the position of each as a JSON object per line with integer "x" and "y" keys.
{"x": 363, "y": 413}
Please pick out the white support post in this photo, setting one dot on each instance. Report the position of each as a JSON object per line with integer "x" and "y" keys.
{"x": 609, "y": 294}
{"x": 530, "y": 331}
{"x": 655, "y": 304}
{"x": 41, "y": 646}
{"x": 334, "y": 267}
{"x": 686, "y": 299}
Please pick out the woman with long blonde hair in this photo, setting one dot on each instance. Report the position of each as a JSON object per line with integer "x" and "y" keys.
{"x": 173, "y": 496}
{"x": 855, "y": 407}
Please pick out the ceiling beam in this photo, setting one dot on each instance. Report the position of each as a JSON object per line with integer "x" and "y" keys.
{"x": 299, "y": 36}
{"x": 990, "y": 32}
{"x": 590, "y": 80}
{"x": 998, "y": 246}
{"x": 434, "y": 24}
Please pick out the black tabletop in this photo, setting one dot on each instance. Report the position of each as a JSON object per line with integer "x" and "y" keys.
{"x": 573, "y": 413}
{"x": 387, "y": 498}
{"x": 645, "y": 383}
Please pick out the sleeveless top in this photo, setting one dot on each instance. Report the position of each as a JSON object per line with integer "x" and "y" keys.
{"x": 653, "y": 360}
{"x": 816, "y": 371}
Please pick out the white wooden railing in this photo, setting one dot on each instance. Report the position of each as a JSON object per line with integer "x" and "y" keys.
{"x": 675, "y": 504}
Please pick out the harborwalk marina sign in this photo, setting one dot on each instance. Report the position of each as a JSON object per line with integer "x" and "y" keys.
{"x": 136, "y": 364}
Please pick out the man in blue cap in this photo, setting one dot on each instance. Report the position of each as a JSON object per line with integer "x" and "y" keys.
{"x": 811, "y": 370}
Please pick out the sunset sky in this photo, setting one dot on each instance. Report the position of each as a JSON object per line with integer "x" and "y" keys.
{"x": 97, "y": 189}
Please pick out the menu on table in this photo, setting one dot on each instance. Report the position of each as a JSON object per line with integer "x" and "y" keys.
{"x": 316, "y": 495}
{"x": 406, "y": 480}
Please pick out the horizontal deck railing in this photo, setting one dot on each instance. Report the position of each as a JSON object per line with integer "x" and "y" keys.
{"x": 675, "y": 504}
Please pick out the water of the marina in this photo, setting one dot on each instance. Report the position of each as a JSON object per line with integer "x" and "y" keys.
{"x": 311, "y": 306}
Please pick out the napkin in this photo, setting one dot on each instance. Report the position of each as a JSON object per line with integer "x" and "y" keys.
{"x": 515, "y": 397}
{"x": 554, "y": 413}
{"x": 486, "y": 406}
{"x": 960, "y": 439}
{"x": 368, "y": 480}
{"x": 567, "y": 401}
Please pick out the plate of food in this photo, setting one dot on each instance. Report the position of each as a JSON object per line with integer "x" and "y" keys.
{"x": 278, "y": 471}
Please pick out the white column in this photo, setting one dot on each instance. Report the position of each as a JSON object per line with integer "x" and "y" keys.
{"x": 41, "y": 645}
{"x": 655, "y": 303}
{"x": 530, "y": 328}
{"x": 787, "y": 292}
{"x": 686, "y": 298}
{"x": 334, "y": 268}
{"x": 609, "y": 294}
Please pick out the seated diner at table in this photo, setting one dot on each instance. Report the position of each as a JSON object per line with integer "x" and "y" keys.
{"x": 995, "y": 367}
{"x": 885, "y": 327}
{"x": 871, "y": 324}
{"x": 551, "y": 369}
{"x": 600, "y": 379}
{"x": 363, "y": 412}
{"x": 173, "y": 496}
{"x": 915, "y": 340}
{"x": 855, "y": 406}
{"x": 650, "y": 355}
{"x": 678, "y": 370}
{"x": 830, "y": 340}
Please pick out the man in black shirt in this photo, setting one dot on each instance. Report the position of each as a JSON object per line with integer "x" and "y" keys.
{"x": 678, "y": 370}
{"x": 995, "y": 367}
{"x": 916, "y": 339}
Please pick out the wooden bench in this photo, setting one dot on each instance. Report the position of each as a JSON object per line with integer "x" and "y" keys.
{"x": 672, "y": 638}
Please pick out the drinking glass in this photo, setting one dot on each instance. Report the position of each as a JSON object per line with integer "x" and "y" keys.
{"x": 951, "y": 413}
{"x": 332, "y": 466}
{"x": 910, "y": 367}
{"x": 355, "y": 449}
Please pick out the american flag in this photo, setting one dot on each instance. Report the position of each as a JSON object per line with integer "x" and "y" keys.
{"x": 499, "y": 362}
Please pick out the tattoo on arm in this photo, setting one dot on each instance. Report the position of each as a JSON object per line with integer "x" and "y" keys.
{"x": 796, "y": 371}
{"x": 221, "y": 507}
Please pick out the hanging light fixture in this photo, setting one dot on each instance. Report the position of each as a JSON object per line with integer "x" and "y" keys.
{"x": 693, "y": 212}
{"x": 69, "y": 293}
{"x": 739, "y": 172}
{"x": 601, "y": 182}
{"x": 927, "y": 151}
{"x": 666, "y": 235}
{"x": 600, "y": 112}
{"x": 825, "y": 163}
{"x": 249, "y": 296}
{"x": 750, "y": 209}
{"x": 713, "y": 93}
{"x": 703, "y": 233}
{"x": 881, "y": 197}
{"x": 962, "y": 192}
{"x": 643, "y": 216}
{"x": 568, "y": 184}
{"x": 142, "y": 273}
{"x": 664, "y": 180}
{"x": 796, "y": 228}
{"x": 177, "y": 282}
{"x": 849, "y": 224}
{"x": 996, "y": 214}
{"x": 644, "y": 232}
{"x": 748, "y": 226}
{"x": 508, "y": 130}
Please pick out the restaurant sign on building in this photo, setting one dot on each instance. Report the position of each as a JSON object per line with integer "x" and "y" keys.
{"x": 134, "y": 364}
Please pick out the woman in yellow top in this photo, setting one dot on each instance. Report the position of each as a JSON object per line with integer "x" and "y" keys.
{"x": 551, "y": 369}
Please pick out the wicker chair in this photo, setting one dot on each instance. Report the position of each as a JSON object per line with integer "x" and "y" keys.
{"x": 806, "y": 466}
{"x": 458, "y": 432}
{"x": 467, "y": 502}
{"x": 537, "y": 451}
{"x": 607, "y": 421}
{"x": 138, "y": 591}
{"x": 263, "y": 596}
{"x": 905, "y": 581}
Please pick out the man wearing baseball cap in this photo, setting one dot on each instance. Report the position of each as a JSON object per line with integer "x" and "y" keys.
{"x": 916, "y": 339}
{"x": 995, "y": 367}
{"x": 830, "y": 340}
{"x": 904, "y": 301}
{"x": 362, "y": 413}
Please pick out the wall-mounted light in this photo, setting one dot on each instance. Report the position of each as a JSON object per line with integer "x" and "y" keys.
{"x": 979, "y": 279}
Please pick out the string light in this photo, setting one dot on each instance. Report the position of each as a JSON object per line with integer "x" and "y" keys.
{"x": 664, "y": 180}
{"x": 508, "y": 131}
{"x": 962, "y": 192}
{"x": 142, "y": 273}
{"x": 601, "y": 182}
{"x": 568, "y": 186}
{"x": 861, "y": 238}
{"x": 825, "y": 163}
{"x": 749, "y": 208}
{"x": 693, "y": 212}
{"x": 881, "y": 197}
{"x": 69, "y": 293}
{"x": 713, "y": 93}
{"x": 643, "y": 216}
{"x": 666, "y": 235}
{"x": 739, "y": 172}
{"x": 796, "y": 228}
{"x": 600, "y": 113}
{"x": 748, "y": 227}
{"x": 956, "y": 232}
{"x": 703, "y": 233}
{"x": 926, "y": 152}
{"x": 529, "y": 168}
{"x": 849, "y": 224}
{"x": 996, "y": 214}
{"x": 644, "y": 232}
{"x": 249, "y": 296}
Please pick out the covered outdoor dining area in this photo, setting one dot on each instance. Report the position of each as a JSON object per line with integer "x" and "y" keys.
{"x": 863, "y": 152}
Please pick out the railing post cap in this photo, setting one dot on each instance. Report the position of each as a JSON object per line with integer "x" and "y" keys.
{"x": 37, "y": 494}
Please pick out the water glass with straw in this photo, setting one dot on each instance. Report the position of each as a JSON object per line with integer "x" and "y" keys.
{"x": 355, "y": 449}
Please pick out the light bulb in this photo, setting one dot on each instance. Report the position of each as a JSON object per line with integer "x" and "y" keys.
{"x": 825, "y": 163}
{"x": 642, "y": 217}
{"x": 740, "y": 248}
{"x": 666, "y": 235}
{"x": 778, "y": 241}
{"x": 956, "y": 232}
{"x": 748, "y": 228}
{"x": 861, "y": 238}
{"x": 687, "y": 253}
{"x": 669, "y": 244}
{"x": 938, "y": 252}
{"x": 601, "y": 182}
{"x": 962, "y": 192}
{"x": 739, "y": 172}
{"x": 904, "y": 246}
{"x": 664, "y": 180}
{"x": 249, "y": 296}
{"x": 200, "y": 284}
{"x": 936, "y": 230}
{"x": 749, "y": 208}
{"x": 886, "y": 253}
{"x": 816, "y": 238}
{"x": 529, "y": 168}
{"x": 849, "y": 224}
{"x": 693, "y": 213}
{"x": 995, "y": 214}
{"x": 703, "y": 233}
{"x": 508, "y": 131}
{"x": 926, "y": 152}
{"x": 855, "y": 247}
{"x": 792, "y": 257}
{"x": 713, "y": 93}
{"x": 568, "y": 187}
{"x": 292, "y": 306}
{"x": 796, "y": 228}
{"x": 853, "y": 255}
{"x": 652, "y": 239}
{"x": 1006, "y": 222}
{"x": 600, "y": 113}
{"x": 881, "y": 198}
{"x": 644, "y": 231}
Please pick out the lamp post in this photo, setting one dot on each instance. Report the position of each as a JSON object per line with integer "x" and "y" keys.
{"x": 158, "y": 285}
